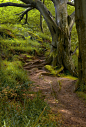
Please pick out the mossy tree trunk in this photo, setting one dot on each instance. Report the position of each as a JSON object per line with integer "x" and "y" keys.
{"x": 61, "y": 40}
{"x": 80, "y": 9}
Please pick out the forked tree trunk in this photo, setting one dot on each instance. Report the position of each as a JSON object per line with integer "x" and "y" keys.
{"x": 80, "y": 9}
{"x": 61, "y": 42}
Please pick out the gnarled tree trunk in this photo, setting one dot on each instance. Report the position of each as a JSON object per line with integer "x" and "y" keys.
{"x": 63, "y": 38}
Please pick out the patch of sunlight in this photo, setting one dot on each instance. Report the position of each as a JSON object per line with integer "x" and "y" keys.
{"x": 71, "y": 77}
{"x": 65, "y": 111}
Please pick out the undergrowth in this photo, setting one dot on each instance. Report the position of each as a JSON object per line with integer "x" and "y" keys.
{"x": 27, "y": 113}
{"x": 82, "y": 95}
{"x": 19, "y": 106}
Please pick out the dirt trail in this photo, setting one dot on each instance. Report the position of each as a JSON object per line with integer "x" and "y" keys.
{"x": 58, "y": 93}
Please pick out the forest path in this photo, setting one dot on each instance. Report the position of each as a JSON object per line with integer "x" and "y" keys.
{"x": 58, "y": 93}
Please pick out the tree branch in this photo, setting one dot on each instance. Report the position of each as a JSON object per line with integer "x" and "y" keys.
{"x": 71, "y": 20}
{"x": 70, "y": 3}
{"x": 26, "y": 22}
{"x": 45, "y": 12}
{"x": 24, "y": 13}
{"x": 38, "y": 5}
{"x": 72, "y": 53}
{"x": 53, "y": 1}
{"x": 15, "y": 4}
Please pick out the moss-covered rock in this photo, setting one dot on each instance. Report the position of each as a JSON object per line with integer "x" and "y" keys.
{"x": 53, "y": 71}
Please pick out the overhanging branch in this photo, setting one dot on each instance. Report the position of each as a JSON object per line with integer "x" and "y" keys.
{"x": 28, "y": 6}
{"x": 71, "y": 20}
{"x": 70, "y": 3}
{"x": 24, "y": 13}
{"x": 15, "y": 4}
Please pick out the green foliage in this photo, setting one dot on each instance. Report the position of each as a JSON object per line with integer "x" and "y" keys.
{"x": 17, "y": 106}
{"x": 21, "y": 46}
{"x": 30, "y": 114}
{"x": 14, "y": 114}
{"x": 12, "y": 74}
{"x": 35, "y": 37}
{"x": 8, "y": 14}
{"x": 33, "y": 20}
{"x": 50, "y": 6}
{"x": 50, "y": 69}
{"x": 44, "y": 36}
{"x": 82, "y": 95}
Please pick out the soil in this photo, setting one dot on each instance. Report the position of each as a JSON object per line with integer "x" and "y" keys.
{"x": 58, "y": 93}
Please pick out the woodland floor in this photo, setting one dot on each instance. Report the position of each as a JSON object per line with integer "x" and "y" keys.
{"x": 58, "y": 93}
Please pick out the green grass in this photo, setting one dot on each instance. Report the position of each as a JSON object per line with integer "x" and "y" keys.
{"x": 29, "y": 113}
{"x": 44, "y": 36}
{"x": 12, "y": 73}
{"x": 19, "y": 46}
{"x": 82, "y": 95}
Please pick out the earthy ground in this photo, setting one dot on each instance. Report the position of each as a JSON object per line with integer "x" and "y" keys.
{"x": 58, "y": 93}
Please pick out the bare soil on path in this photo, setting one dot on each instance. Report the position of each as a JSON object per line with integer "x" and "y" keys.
{"x": 58, "y": 93}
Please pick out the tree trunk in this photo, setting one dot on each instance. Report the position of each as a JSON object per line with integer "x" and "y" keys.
{"x": 80, "y": 14}
{"x": 62, "y": 40}
{"x": 41, "y": 22}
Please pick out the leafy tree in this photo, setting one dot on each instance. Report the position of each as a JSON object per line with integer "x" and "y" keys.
{"x": 80, "y": 9}
{"x": 60, "y": 29}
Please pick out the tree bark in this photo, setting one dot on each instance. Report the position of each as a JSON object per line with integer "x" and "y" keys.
{"x": 63, "y": 38}
{"x": 80, "y": 14}
{"x": 41, "y": 22}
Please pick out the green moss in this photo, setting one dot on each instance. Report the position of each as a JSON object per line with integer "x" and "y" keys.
{"x": 81, "y": 95}
{"x": 53, "y": 71}
{"x": 35, "y": 37}
{"x": 28, "y": 56}
{"x": 13, "y": 46}
{"x": 59, "y": 70}
{"x": 50, "y": 69}
{"x": 12, "y": 74}
{"x": 80, "y": 86}
{"x": 70, "y": 77}
{"x": 29, "y": 113}
{"x": 6, "y": 32}
{"x": 44, "y": 36}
